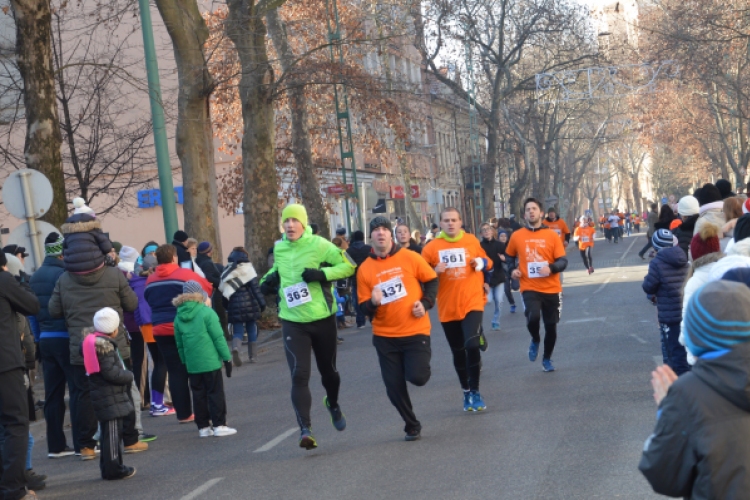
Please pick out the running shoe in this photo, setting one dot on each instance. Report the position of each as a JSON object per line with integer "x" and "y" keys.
{"x": 513, "y": 308}
{"x": 60, "y": 454}
{"x": 146, "y": 438}
{"x": 468, "y": 406}
{"x": 339, "y": 340}
{"x": 495, "y": 327}
{"x": 236, "y": 360}
{"x": 413, "y": 435}
{"x": 130, "y": 473}
{"x": 223, "y": 430}
{"x": 205, "y": 432}
{"x": 337, "y": 416}
{"x": 547, "y": 365}
{"x": 483, "y": 346}
{"x": 533, "y": 351}
{"x": 477, "y": 401}
{"x": 188, "y": 420}
{"x": 161, "y": 410}
{"x": 591, "y": 270}
{"x": 306, "y": 439}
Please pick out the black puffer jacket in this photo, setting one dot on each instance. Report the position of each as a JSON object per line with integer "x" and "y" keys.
{"x": 359, "y": 252}
{"x": 247, "y": 303}
{"x": 111, "y": 385}
{"x": 701, "y": 445}
{"x": 684, "y": 232}
{"x": 43, "y": 282}
{"x": 85, "y": 245}
{"x": 494, "y": 249}
{"x": 665, "y": 279}
{"x": 14, "y": 298}
{"x": 182, "y": 254}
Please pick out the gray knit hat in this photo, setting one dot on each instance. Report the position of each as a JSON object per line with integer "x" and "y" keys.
{"x": 662, "y": 238}
{"x": 717, "y": 317}
{"x": 194, "y": 287}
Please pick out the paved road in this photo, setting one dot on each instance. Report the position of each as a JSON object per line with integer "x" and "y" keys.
{"x": 576, "y": 433}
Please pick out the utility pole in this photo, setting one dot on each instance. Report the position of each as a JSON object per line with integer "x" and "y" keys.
{"x": 477, "y": 188}
{"x": 343, "y": 119}
{"x": 164, "y": 166}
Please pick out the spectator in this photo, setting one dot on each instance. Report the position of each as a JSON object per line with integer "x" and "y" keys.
{"x": 212, "y": 273}
{"x": 652, "y": 219}
{"x": 711, "y": 207}
{"x": 16, "y": 251}
{"x": 496, "y": 285}
{"x": 733, "y": 210}
{"x": 14, "y": 411}
{"x": 699, "y": 447}
{"x": 179, "y": 242}
{"x": 725, "y": 188}
{"x": 358, "y": 252}
{"x": 161, "y": 288}
{"x": 404, "y": 239}
{"x": 687, "y": 209}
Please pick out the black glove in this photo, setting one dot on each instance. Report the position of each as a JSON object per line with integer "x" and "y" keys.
{"x": 311, "y": 275}
{"x": 271, "y": 284}
{"x": 228, "y": 368}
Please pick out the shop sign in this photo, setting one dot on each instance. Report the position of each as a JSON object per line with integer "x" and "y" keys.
{"x": 340, "y": 189}
{"x": 397, "y": 192}
{"x": 149, "y": 198}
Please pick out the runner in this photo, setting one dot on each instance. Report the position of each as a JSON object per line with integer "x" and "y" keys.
{"x": 559, "y": 226}
{"x": 390, "y": 284}
{"x": 304, "y": 268}
{"x": 459, "y": 259}
{"x": 584, "y": 235}
{"x": 614, "y": 224}
{"x": 541, "y": 258}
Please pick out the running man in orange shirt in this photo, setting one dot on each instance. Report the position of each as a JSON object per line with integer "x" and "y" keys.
{"x": 540, "y": 258}
{"x": 459, "y": 260}
{"x": 389, "y": 287}
{"x": 584, "y": 236}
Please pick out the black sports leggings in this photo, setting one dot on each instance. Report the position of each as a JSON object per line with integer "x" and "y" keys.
{"x": 467, "y": 361}
{"x": 588, "y": 260}
{"x": 300, "y": 339}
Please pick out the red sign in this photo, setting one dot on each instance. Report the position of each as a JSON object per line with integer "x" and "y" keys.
{"x": 397, "y": 192}
{"x": 340, "y": 189}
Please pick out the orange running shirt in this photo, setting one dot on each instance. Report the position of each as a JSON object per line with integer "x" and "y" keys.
{"x": 585, "y": 237}
{"x": 399, "y": 276}
{"x": 559, "y": 226}
{"x": 461, "y": 288}
{"x": 533, "y": 250}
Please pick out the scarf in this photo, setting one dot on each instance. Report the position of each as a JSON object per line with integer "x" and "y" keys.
{"x": 235, "y": 277}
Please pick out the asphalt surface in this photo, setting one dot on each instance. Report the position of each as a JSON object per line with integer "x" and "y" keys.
{"x": 576, "y": 433}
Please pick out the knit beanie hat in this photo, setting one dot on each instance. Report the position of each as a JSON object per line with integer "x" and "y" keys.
{"x": 705, "y": 242}
{"x": 742, "y": 228}
{"x": 180, "y": 236}
{"x": 53, "y": 244}
{"x": 688, "y": 205}
{"x": 662, "y": 239}
{"x": 106, "y": 320}
{"x": 725, "y": 188}
{"x": 128, "y": 254}
{"x": 708, "y": 194}
{"x": 717, "y": 317}
{"x": 14, "y": 264}
{"x": 740, "y": 275}
{"x": 117, "y": 246}
{"x": 340, "y": 231}
{"x": 204, "y": 247}
{"x": 295, "y": 211}
{"x": 380, "y": 221}
{"x": 358, "y": 235}
{"x": 81, "y": 208}
{"x": 194, "y": 287}
{"x": 149, "y": 262}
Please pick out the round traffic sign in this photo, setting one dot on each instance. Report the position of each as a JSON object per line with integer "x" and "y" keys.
{"x": 40, "y": 190}
{"x": 21, "y": 236}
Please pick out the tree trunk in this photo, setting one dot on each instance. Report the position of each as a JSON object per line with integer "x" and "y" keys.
{"x": 301, "y": 147}
{"x": 194, "y": 138}
{"x": 43, "y": 138}
{"x": 489, "y": 170}
{"x": 415, "y": 222}
{"x": 247, "y": 31}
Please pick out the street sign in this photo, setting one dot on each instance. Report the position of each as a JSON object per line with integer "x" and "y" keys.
{"x": 40, "y": 191}
{"x": 22, "y": 237}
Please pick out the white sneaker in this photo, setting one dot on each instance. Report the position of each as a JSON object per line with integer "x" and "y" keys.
{"x": 206, "y": 432}
{"x": 223, "y": 430}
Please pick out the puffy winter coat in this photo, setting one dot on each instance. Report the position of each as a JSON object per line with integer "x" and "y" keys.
{"x": 163, "y": 286}
{"x": 43, "y": 283}
{"x": 291, "y": 258}
{"x": 494, "y": 249}
{"x": 665, "y": 278}
{"x": 701, "y": 445}
{"x": 85, "y": 245}
{"x": 684, "y": 233}
{"x": 143, "y": 313}
{"x": 182, "y": 254}
{"x": 77, "y": 297}
{"x": 359, "y": 252}
{"x": 711, "y": 213}
{"x": 209, "y": 269}
{"x": 247, "y": 303}
{"x": 198, "y": 335}
{"x": 111, "y": 385}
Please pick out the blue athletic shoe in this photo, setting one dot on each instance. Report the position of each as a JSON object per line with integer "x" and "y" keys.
{"x": 513, "y": 308}
{"x": 306, "y": 439}
{"x": 495, "y": 326}
{"x": 337, "y": 416}
{"x": 533, "y": 351}
{"x": 477, "y": 401}
{"x": 468, "y": 405}
{"x": 547, "y": 365}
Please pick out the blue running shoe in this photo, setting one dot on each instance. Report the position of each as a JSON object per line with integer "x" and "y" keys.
{"x": 477, "y": 401}
{"x": 468, "y": 406}
{"x": 306, "y": 439}
{"x": 547, "y": 365}
{"x": 513, "y": 308}
{"x": 495, "y": 326}
{"x": 533, "y": 351}
{"x": 337, "y": 416}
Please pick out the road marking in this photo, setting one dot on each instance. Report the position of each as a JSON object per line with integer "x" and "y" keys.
{"x": 601, "y": 287}
{"x": 658, "y": 360}
{"x": 628, "y": 250}
{"x": 585, "y": 300}
{"x": 275, "y": 441}
{"x": 638, "y": 338}
{"x": 585, "y": 320}
{"x": 201, "y": 489}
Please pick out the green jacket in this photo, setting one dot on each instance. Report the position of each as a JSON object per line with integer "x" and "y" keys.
{"x": 291, "y": 258}
{"x": 198, "y": 334}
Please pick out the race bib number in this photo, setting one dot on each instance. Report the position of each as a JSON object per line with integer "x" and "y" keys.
{"x": 534, "y": 268}
{"x": 453, "y": 257}
{"x": 393, "y": 289}
{"x": 585, "y": 239}
{"x": 296, "y": 295}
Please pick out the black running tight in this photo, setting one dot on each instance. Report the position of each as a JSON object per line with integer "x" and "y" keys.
{"x": 588, "y": 260}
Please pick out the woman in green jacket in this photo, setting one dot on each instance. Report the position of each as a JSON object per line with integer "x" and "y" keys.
{"x": 203, "y": 350}
{"x": 305, "y": 267}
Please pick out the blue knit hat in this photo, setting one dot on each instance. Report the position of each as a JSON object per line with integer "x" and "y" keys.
{"x": 662, "y": 238}
{"x": 194, "y": 287}
{"x": 717, "y": 317}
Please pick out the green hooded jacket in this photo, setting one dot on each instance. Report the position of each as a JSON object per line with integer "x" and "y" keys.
{"x": 198, "y": 334}
{"x": 291, "y": 258}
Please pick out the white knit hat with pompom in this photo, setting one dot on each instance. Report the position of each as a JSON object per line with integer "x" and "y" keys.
{"x": 81, "y": 207}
